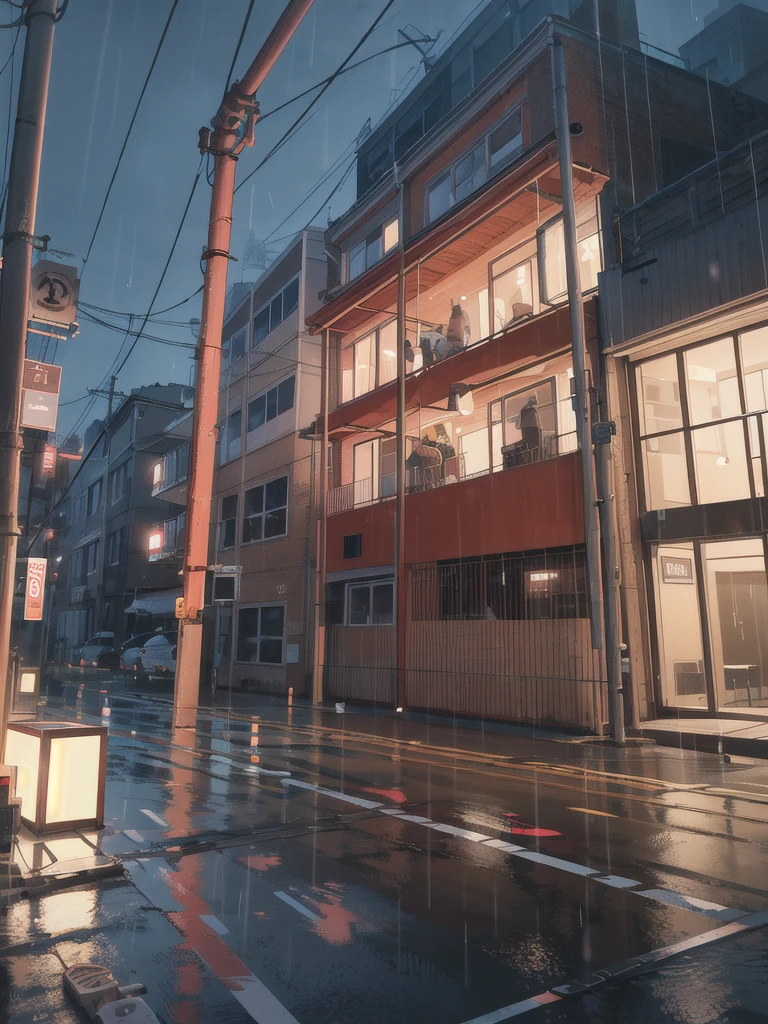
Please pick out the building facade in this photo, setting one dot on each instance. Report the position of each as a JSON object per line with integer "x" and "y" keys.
{"x": 454, "y": 559}
{"x": 265, "y": 482}
{"x": 107, "y": 516}
{"x": 684, "y": 323}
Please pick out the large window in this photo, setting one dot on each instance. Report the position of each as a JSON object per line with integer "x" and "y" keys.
{"x": 275, "y": 311}
{"x": 554, "y": 284}
{"x": 94, "y": 498}
{"x": 369, "y": 362}
{"x": 475, "y": 166}
{"x": 370, "y": 604}
{"x": 513, "y": 289}
{"x": 273, "y": 403}
{"x": 260, "y": 634}
{"x": 229, "y": 443}
{"x": 547, "y": 585}
{"x": 228, "y": 522}
{"x": 117, "y": 546}
{"x": 265, "y": 513}
{"x": 362, "y": 256}
{"x": 234, "y": 347}
{"x": 374, "y": 469}
{"x": 119, "y": 481}
{"x": 703, "y": 426}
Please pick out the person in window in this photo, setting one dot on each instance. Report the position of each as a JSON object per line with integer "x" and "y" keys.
{"x": 529, "y": 424}
{"x": 434, "y": 345}
{"x": 459, "y": 331}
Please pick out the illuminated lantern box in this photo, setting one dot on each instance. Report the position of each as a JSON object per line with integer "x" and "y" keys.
{"x": 61, "y": 773}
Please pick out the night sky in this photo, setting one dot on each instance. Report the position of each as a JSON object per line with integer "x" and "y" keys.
{"x": 102, "y": 51}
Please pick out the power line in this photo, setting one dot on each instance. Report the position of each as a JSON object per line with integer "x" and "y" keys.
{"x": 285, "y": 137}
{"x": 239, "y": 44}
{"x": 130, "y": 128}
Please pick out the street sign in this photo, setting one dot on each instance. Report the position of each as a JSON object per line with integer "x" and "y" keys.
{"x": 181, "y": 608}
{"x": 40, "y": 395}
{"x": 35, "y": 592}
{"x": 226, "y": 583}
{"x": 53, "y": 294}
{"x": 49, "y": 460}
{"x": 603, "y": 432}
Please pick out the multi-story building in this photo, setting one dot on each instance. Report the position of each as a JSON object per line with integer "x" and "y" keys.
{"x": 684, "y": 315}
{"x": 266, "y": 476}
{"x": 454, "y": 555}
{"x": 732, "y": 48}
{"x": 106, "y": 519}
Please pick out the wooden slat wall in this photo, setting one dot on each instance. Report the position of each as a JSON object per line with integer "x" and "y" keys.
{"x": 360, "y": 663}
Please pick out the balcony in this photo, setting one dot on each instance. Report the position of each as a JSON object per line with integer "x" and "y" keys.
{"x": 513, "y": 421}
{"x": 169, "y": 475}
{"x": 167, "y": 539}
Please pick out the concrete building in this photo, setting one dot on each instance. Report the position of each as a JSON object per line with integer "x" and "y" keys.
{"x": 684, "y": 314}
{"x": 457, "y": 579}
{"x": 105, "y": 522}
{"x": 266, "y": 478}
{"x": 732, "y": 48}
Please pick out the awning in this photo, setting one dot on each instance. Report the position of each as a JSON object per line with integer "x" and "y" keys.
{"x": 155, "y": 602}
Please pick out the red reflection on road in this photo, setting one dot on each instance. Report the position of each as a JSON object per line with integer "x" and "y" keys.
{"x": 520, "y": 828}
{"x": 395, "y": 795}
{"x": 259, "y": 863}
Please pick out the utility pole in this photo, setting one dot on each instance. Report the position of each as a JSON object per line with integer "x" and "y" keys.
{"x": 233, "y": 128}
{"x": 18, "y": 242}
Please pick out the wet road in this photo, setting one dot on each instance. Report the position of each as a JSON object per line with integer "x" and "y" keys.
{"x": 290, "y": 866}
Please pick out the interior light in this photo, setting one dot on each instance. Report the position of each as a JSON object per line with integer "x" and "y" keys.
{"x": 462, "y": 298}
{"x": 390, "y": 353}
{"x": 569, "y": 373}
{"x": 722, "y": 460}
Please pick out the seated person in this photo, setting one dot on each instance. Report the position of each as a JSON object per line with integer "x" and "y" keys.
{"x": 434, "y": 345}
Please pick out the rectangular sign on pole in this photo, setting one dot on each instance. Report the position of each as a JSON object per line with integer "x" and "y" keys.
{"x": 40, "y": 395}
{"x": 33, "y": 601}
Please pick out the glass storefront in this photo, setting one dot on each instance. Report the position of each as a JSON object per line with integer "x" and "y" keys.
{"x": 733, "y": 620}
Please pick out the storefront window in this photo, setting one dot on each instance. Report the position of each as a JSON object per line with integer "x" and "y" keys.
{"x": 659, "y": 395}
{"x": 721, "y": 462}
{"x": 713, "y": 385}
{"x": 666, "y": 472}
{"x": 754, "y": 363}
{"x": 681, "y": 648}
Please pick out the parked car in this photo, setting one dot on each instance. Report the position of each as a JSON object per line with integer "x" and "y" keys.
{"x": 157, "y": 656}
{"x": 96, "y": 652}
{"x": 129, "y": 649}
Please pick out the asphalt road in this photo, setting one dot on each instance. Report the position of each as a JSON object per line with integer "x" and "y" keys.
{"x": 285, "y": 865}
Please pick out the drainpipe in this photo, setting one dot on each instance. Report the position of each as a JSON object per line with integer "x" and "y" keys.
{"x": 578, "y": 346}
{"x": 400, "y": 582}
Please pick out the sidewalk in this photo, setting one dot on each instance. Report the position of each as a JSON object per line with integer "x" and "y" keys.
{"x": 738, "y": 736}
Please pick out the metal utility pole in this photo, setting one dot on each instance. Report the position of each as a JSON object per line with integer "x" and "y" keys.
{"x": 232, "y": 131}
{"x": 18, "y": 242}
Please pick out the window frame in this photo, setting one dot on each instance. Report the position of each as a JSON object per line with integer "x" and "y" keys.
{"x": 490, "y": 169}
{"x": 262, "y": 515}
{"x": 92, "y": 505}
{"x": 362, "y": 248}
{"x": 263, "y": 397}
{"x": 260, "y": 636}
{"x": 285, "y": 312}
{"x": 375, "y": 335}
{"x": 222, "y": 545}
{"x": 541, "y": 253}
{"x": 369, "y": 585}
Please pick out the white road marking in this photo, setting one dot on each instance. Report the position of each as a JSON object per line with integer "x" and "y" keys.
{"x": 417, "y": 819}
{"x": 346, "y": 797}
{"x": 556, "y": 862}
{"x": 256, "y": 999}
{"x": 136, "y": 837}
{"x": 155, "y": 817}
{"x": 463, "y": 833}
{"x": 515, "y": 1009}
{"x": 499, "y": 844}
{"x": 214, "y": 924}
{"x": 617, "y": 882}
{"x": 677, "y": 899}
{"x": 297, "y": 906}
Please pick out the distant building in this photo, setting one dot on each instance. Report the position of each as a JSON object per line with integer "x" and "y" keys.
{"x": 265, "y": 483}
{"x": 105, "y": 582}
{"x": 732, "y": 48}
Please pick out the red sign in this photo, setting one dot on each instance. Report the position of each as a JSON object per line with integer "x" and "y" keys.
{"x": 43, "y": 377}
{"x": 33, "y": 603}
{"x": 49, "y": 460}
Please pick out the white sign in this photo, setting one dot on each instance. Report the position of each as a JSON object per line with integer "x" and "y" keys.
{"x": 53, "y": 294}
{"x": 33, "y": 603}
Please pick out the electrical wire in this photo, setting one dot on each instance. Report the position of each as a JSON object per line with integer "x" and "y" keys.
{"x": 288, "y": 134}
{"x": 130, "y": 129}
{"x": 239, "y": 44}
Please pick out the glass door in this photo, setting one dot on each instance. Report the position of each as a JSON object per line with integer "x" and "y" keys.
{"x": 681, "y": 648}
{"x": 737, "y": 608}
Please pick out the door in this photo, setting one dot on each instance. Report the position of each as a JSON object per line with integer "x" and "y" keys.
{"x": 737, "y": 607}
{"x": 678, "y": 627}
